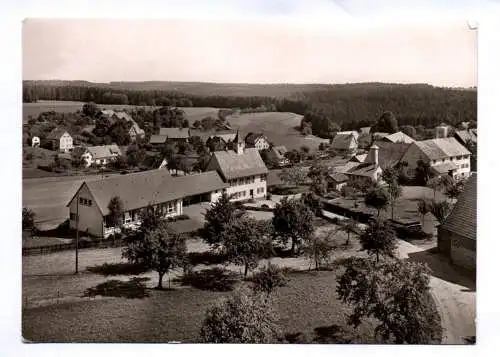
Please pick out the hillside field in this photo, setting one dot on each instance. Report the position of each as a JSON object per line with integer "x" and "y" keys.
{"x": 34, "y": 109}
{"x": 278, "y": 127}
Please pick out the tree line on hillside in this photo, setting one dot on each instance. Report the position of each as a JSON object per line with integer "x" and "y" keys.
{"x": 346, "y": 106}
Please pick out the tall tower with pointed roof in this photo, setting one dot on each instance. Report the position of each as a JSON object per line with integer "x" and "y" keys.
{"x": 239, "y": 143}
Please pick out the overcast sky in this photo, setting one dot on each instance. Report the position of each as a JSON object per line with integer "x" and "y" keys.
{"x": 245, "y": 51}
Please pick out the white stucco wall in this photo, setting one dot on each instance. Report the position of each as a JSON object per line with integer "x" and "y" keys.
{"x": 90, "y": 217}
{"x": 255, "y": 184}
{"x": 66, "y": 143}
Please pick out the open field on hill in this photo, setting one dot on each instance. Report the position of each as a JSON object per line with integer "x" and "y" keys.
{"x": 34, "y": 109}
{"x": 48, "y": 197}
{"x": 278, "y": 127}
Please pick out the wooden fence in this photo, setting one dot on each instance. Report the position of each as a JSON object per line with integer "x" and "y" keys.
{"x": 47, "y": 249}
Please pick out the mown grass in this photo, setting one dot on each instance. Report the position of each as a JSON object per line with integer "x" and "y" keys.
{"x": 307, "y": 306}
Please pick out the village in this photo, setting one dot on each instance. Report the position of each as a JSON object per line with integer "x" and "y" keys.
{"x": 204, "y": 204}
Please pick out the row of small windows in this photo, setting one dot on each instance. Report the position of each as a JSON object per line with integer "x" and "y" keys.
{"x": 260, "y": 190}
{"x": 451, "y": 159}
{"x": 246, "y": 180}
{"x": 85, "y": 202}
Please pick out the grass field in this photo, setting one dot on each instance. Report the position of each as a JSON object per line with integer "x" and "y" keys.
{"x": 279, "y": 128}
{"x": 34, "y": 109}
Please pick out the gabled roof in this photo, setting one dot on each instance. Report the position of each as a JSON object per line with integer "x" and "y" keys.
{"x": 364, "y": 169}
{"x": 57, "y": 133}
{"x": 253, "y": 137}
{"x": 226, "y": 135}
{"x": 358, "y": 158}
{"x": 124, "y": 115}
{"x": 379, "y": 135}
{"x": 233, "y": 165}
{"x": 104, "y": 151}
{"x": 343, "y": 141}
{"x": 441, "y": 148}
{"x": 338, "y": 177}
{"x": 157, "y": 139}
{"x": 462, "y": 219}
{"x": 365, "y": 130}
{"x": 399, "y": 137}
{"x": 389, "y": 154}
{"x": 175, "y": 133}
{"x": 345, "y": 168}
{"x": 466, "y": 135}
{"x": 138, "y": 190}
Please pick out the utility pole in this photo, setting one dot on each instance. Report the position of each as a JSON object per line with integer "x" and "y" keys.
{"x": 77, "y": 237}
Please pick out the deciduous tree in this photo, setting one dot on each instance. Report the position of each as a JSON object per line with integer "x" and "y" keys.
{"x": 377, "y": 198}
{"x": 293, "y": 220}
{"x": 396, "y": 293}
{"x": 242, "y": 318}
{"x": 269, "y": 278}
{"x": 440, "y": 210}
{"x": 28, "y": 221}
{"x": 216, "y": 217}
{"x": 115, "y": 207}
{"x": 161, "y": 250}
{"x": 378, "y": 238}
{"x": 294, "y": 175}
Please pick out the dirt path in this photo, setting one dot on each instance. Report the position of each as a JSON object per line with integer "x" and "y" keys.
{"x": 455, "y": 295}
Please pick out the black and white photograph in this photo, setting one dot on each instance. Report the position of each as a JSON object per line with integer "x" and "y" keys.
{"x": 248, "y": 182}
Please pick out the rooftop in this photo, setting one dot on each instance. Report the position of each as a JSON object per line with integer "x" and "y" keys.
{"x": 175, "y": 133}
{"x": 462, "y": 219}
{"x": 104, "y": 151}
{"x": 233, "y": 165}
{"x": 344, "y": 141}
{"x": 399, "y": 137}
{"x": 441, "y": 148}
{"x": 138, "y": 190}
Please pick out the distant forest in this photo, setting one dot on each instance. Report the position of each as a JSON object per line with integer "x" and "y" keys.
{"x": 349, "y": 106}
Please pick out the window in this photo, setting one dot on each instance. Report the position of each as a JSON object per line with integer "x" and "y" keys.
{"x": 85, "y": 202}
{"x": 263, "y": 177}
{"x": 443, "y": 160}
{"x": 171, "y": 207}
{"x": 72, "y": 216}
{"x": 434, "y": 161}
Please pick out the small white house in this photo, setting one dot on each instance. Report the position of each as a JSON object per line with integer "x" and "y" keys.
{"x": 35, "y": 142}
{"x": 257, "y": 140}
{"x": 60, "y": 140}
{"x": 101, "y": 155}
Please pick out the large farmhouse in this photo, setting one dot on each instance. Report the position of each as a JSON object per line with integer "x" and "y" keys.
{"x": 345, "y": 143}
{"x": 137, "y": 191}
{"x": 445, "y": 156}
{"x": 101, "y": 155}
{"x": 243, "y": 169}
{"x": 60, "y": 140}
{"x": 457, "y": 235}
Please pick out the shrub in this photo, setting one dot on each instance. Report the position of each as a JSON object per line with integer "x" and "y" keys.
{"x": 268, "y": 278}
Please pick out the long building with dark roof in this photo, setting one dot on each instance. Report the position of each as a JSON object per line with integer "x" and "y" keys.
{"x": 137, "y": 191}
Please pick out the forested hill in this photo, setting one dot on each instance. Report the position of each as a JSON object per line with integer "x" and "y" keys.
{"x": 348, "y": 105}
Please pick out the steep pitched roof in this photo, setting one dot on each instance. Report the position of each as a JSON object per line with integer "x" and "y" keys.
{"x": 379, "y": 135}
{"x": 462, "y": 219}
{"x": 279, "y": 151}
{"x": 358, "y": 158}
{"x": 251, "y": 138}
{"x": 343, "y": 141}
{"x": 365, "y": 130}
{"x": 338, "y": 177}
{"x": 138, "y": 190}
{"x": 466, "y": 135}
{"x": 104, "y": 151}
{"x": 389, "y": 153}
{"x": 364, "y": 169}
{"x": 399, "y": 137}
{"x": 175, "y": 133}
{"x": 233, "y": 165}
{"x": 108, "y": 112}
{"x": 56, "y": 133}
{"x": 353, "y": 132}
{"x": 124, "y": 115}
{"x": 441, "y": 148}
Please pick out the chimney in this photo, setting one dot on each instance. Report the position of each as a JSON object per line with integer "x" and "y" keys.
{"x": 373, "y": 155}
{"x": 441, "y": 131}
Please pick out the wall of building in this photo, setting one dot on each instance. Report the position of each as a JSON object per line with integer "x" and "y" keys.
{"x": 412, "y": 155}
{"x": 461, "y": 253}
{"x": 463, "y": 164}
{"x": 66, "y": 143}
{"x": 257, "y": 184}
{"x": 90, "y": 217}
{"x": 261, "y": 144}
